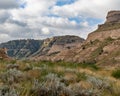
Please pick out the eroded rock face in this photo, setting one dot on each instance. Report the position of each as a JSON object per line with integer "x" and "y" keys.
{"x": 3, "y": 53}
{"x": 53, "y": 46}
{"x": 114, "y": 34}
{"x": 111, "y": 28}
{"x": 102, "y": 46}
{"x": 47, "y": 47}
{"x": 113, "y": 16}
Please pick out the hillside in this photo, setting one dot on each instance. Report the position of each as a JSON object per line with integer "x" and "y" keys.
{"x": 54, "y": 46}
{"x": 102, "y": 46}
{"x": 47, "y": 47}
{"x": 22, "y": 48}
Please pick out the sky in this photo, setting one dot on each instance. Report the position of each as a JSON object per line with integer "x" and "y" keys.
{"x": 39, "y": 19}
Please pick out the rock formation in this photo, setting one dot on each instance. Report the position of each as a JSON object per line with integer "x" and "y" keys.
{"x": 111, "y": 28}
{"x": 102, "y": 46}
{"x": 113, "y": 17}
{"x": 47, "y": 47}
{"x": 53, "y": 46}
{"x": 3, "y": 54}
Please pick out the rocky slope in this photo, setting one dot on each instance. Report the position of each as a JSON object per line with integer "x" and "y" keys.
{"x": 22, "y": 48}
{"x": 53, "y": 46}
{"x": 40, "y": 48}
{"x": 102, "y": 46}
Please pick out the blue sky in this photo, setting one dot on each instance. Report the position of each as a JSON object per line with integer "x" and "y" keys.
{"x": 39, "y": 19}
{"x": 64, "y": 2}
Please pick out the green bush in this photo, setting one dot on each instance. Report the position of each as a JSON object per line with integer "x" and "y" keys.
{"x": 116, "y": 74}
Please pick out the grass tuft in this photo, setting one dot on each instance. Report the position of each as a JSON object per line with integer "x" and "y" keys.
{"x": 116, "y": 74}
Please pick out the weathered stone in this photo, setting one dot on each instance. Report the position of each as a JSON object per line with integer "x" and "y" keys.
{"x": 111, "y": 28}
{"x": 113, "y": 16}
{"x": 3, "y": 53}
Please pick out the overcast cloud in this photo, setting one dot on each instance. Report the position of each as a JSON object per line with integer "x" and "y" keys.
{"x": 38, "y": 19}
{"x": 8, "y": 4}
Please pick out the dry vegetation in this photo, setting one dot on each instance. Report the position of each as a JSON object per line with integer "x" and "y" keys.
{"x": 35, "y": 78}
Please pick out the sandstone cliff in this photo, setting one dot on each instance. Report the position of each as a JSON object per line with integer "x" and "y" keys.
{"x": 111, "y": 28}
{"x": 102, "y": 46}
{"x": 113, "y": 16}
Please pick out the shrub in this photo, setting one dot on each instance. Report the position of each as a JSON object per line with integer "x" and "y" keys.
{"x": 8, "y": 91}
{"x": 116, "y": 73}
{"x": 51, "y": 86}
{"x": 98, "y": 83}
{"x": 12, "y": 76}
{"x": 79, "y": 91}
{"x": 12, "y": 66}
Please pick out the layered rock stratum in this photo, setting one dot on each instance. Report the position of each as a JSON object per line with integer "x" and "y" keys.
{"x": 40, "y": 48}
{"x": 113, "y": 16}
{"x": 102, "y": 46}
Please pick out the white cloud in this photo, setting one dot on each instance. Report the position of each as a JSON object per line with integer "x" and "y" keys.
{"x": 87, "y": 8}
{"x": 45, "y": 31}
{"x": 42, "y": 18}
{"x": 4, "y": 37}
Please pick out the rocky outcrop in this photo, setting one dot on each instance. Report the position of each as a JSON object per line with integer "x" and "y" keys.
{"x": 114, "y": 34}
{"x": 113, "y": 17}
{"x": 102, "y": 47}
{"x": 3, "y": 54}
{"x": 111, "y": 28}
{"x": 53, "y": 46}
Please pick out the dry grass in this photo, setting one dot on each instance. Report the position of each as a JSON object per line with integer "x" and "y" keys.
{"x": 72, "y": 78}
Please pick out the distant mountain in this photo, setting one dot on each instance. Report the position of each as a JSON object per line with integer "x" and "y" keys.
{"x": 35, "y": 48}
{"x": 22, "y": 48}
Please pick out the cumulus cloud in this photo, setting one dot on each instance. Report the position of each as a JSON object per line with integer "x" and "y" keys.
{"x": 87, "y": 8}
{"x": 45, "y": 31}
{"x": 8, "y": 4}
{"x": 40, "y": 19}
